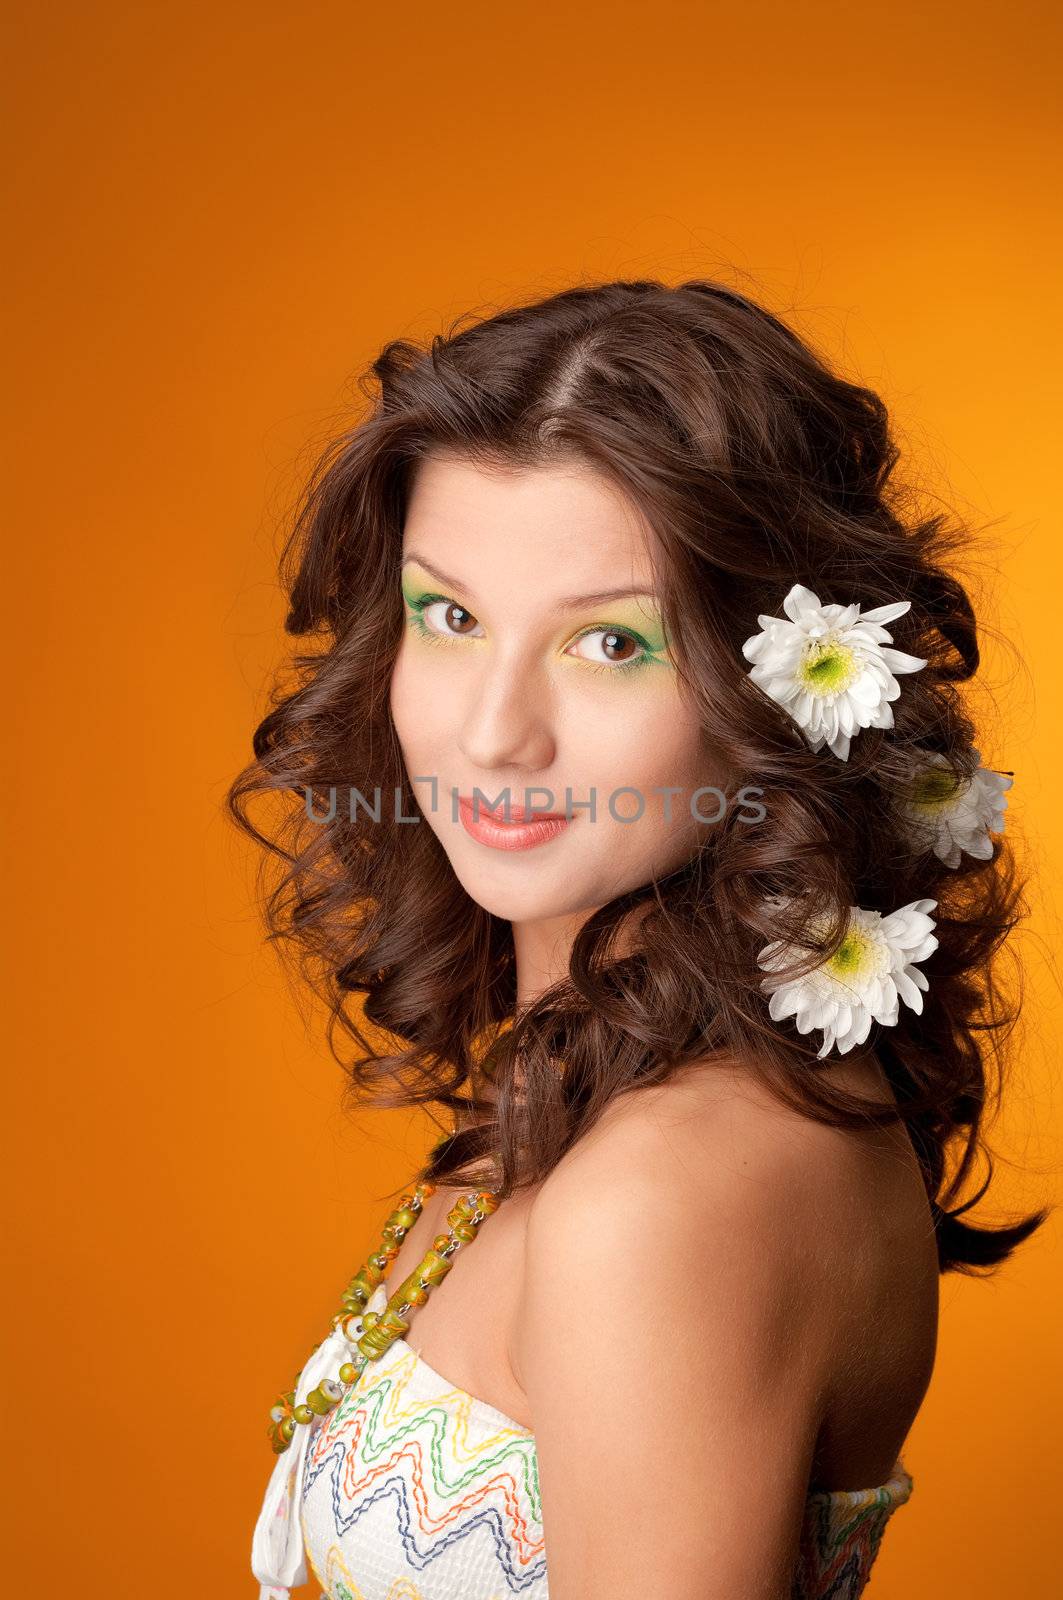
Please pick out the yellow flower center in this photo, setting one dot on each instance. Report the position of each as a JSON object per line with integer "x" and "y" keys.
{"x": 828, "y": 666}
{"x": 855, "y": 955}
{"x": 933, "y": 788}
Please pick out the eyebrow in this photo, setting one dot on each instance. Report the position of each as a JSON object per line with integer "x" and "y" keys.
{"x": 572, "y": 602}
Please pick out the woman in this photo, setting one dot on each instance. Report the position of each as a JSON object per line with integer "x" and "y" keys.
{"x": 644, "y": 811}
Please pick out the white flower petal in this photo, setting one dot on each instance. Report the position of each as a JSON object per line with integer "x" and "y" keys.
{"x": 828, "y": 667}
{"x": 901, "y": 661}
{"x": 865, "y": 980}
{"x": 866, "y": 690}
{"x": 799, "y": 602}
{"x": 784, "y": 1002}
{"x": 887, "y": 613}
{"x": 960, "y": 821}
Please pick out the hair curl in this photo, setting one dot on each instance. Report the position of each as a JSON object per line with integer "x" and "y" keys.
{"x": 756, "y": 467}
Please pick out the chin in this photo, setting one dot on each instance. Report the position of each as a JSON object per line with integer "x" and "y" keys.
{"x": 533, "y": 900}
{"x": 516, "y": 904}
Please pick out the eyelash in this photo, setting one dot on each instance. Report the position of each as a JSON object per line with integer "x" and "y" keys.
{"x": 420, "y": 605}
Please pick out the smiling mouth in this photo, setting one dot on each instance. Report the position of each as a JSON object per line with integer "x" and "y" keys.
{"x": 528, "y": 828}
{"x": 517, "y": 814}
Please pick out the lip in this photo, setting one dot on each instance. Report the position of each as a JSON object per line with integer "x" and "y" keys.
{"x": 519, "y": 834}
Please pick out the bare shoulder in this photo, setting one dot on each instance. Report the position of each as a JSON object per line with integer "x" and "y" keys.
{"x": 712, "y": 1168}
{"x": 717, "y": 1133}
{"x": 674, "y": 1339}
{"x": 703, "y": 1197}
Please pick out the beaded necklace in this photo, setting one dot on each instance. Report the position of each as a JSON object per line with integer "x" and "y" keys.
{"x": 370, "y": 1334}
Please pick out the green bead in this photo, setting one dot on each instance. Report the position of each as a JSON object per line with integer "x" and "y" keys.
{"x": 379, "y": 1330}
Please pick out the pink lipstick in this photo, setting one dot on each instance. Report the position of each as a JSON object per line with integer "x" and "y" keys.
{"x": 525, "y": 831}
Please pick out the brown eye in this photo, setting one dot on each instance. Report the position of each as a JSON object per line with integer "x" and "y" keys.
{"x": 448, "y": 618}
{"x": 618, "y": 646}
{"x": 609, "y": 646}
{"x": 458, "y": 620}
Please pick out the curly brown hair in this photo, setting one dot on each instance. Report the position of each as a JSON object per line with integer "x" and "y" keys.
{"x": 756, "y": 467}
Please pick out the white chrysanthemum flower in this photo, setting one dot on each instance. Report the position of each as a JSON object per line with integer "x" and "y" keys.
{"x": 864, "y": 981}
{"x": 952, "y": 813}
{"x": 830, "y": 667}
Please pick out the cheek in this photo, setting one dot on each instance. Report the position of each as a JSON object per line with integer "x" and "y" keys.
{"x": 686, "y": 756}
{"x": 657, "y": 742}
{"x": 415, "y": 700}
{"x": 653, "y": 747}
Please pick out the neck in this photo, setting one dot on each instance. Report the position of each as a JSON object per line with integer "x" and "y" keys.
{"x": 542, "y": 950}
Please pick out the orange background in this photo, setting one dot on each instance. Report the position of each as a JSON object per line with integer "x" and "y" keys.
{"x": 218, "y": 214}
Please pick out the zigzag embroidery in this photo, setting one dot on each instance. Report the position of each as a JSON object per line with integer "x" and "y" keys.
{"x": 340, "y": 1585}
{"x": 367, "y": 1450}
{"x": 376, "y": 1425}
{"x": 379, "y": 1416}
{"x": 420, "y": 1558}
{"x": 839, "y": 1547}
{"x": 831, "y": 1532}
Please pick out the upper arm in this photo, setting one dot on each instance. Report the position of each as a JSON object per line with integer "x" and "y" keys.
{"x": 668, "y": 1347}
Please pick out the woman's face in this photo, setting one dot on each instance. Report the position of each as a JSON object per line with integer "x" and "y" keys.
{"x": 534, "y": 662}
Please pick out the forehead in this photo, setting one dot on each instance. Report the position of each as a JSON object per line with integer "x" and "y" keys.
{"x": 566, "y": 528}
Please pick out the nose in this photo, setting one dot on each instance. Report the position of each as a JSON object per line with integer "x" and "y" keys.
{"x": 508, "y": 722}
